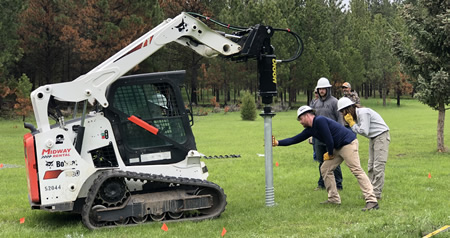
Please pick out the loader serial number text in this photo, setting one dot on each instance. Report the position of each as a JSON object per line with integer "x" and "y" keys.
{"x": 52, "y": 188}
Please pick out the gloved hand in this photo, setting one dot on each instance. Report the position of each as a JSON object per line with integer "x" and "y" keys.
{"x": 326, "y": 156}
{"x": 349, "y": 119}
{"x": 274, "y": 142}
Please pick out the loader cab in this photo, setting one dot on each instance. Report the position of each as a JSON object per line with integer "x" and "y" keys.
{"x": 156, "y": 99}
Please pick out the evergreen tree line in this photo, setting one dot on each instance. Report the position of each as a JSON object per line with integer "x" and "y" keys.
{"x": 52, "y": 41}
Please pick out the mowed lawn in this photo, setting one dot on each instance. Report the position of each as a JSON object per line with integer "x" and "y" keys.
{"x": 416, "y": 198}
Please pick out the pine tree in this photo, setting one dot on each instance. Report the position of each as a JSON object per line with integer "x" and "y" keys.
{"x": 427, "y": 57}
{"x": 9, "y": 40}
{"x": 23, "y": 102}
{"x": 248, "y": 108}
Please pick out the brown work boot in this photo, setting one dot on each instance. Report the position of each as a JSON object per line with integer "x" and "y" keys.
{"x": 330, "y": 202}
{"x": 378, "y": 198}
{"x": 370, "y": 206}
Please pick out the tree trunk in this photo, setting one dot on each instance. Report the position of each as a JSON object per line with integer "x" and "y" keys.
{"x": 194, "y": 65}
{"x": 280, "y": 97}
{"x": 227, "y": 93}
{"x": 440, "y": 128}
{"x": 291, "y": 96}
{"x": 308, "y": 97}
{"x": 384, "y": 90}
{"x": 367, "y": 89}
{"x": 217, "y": 93}
{"x": 194, "y": 85}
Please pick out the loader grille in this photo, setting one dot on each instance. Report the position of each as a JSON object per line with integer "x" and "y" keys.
{"x": 104, "y": 157}
{"x": 156, "y": 105}
{"x": 155, "y": 99}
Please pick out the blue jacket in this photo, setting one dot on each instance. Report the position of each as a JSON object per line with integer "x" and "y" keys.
{"x": 330, "y": 132}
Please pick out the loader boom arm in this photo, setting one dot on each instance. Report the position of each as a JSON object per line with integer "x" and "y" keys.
{"x": 183, "y": 29}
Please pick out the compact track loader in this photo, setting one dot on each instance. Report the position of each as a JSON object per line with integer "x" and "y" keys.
{"x": 133, "y": 158}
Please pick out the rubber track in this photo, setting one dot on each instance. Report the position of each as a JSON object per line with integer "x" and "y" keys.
{"x": 150, "y": 177}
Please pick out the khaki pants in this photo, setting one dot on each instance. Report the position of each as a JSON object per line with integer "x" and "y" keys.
{"x": 350, "y": 155}
{"x": 378, "y": 154}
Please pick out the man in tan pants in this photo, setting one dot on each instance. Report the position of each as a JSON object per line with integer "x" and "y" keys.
{"x": 341, "y": 144}
{"x": 348, "y": 153}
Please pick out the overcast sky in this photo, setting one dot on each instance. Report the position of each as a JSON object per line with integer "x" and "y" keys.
{"x": 346, "y": 3}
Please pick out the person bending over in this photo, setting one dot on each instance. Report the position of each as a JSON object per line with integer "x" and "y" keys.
{"x": 341, "y": 144}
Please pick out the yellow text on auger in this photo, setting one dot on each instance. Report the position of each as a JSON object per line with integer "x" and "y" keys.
{"x": 274, "y": 69}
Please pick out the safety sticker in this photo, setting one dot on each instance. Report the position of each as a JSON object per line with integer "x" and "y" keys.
{"x": 155, "y": 156}
{"x": 105, "y": 134}
{"x": 72, "y": 173}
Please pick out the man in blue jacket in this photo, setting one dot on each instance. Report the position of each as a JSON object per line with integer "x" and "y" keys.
{"x": 341, "y": 145}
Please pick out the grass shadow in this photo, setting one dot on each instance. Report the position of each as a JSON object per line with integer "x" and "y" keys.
{"x": 57, "y": 219}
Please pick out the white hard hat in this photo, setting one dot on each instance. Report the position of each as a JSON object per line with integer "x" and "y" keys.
{"x": 344, "y": 102}
{"x": 323, "y": 83}
{"x": 303, "y": 109}
{"x": 159, "y": 100}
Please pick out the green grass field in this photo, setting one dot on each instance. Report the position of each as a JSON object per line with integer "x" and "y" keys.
{"x": 413, "y": 204}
